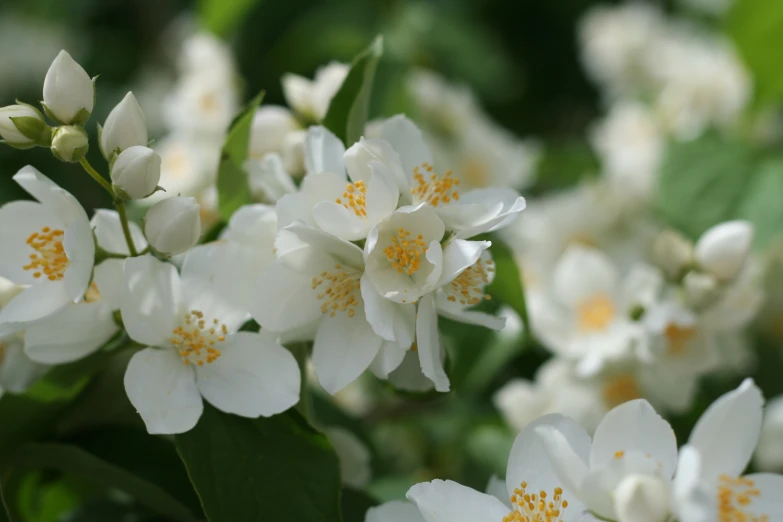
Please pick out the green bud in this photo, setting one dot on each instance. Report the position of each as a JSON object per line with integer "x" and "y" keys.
{"x": 70, "y": 143}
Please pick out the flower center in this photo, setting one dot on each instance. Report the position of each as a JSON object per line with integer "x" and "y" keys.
{"x": 209, "y": 102}
{"x": 432, "y": 188}
{"x": 337, "y": 289}
{"x": 596, "y": 313}
{"x": 196, "y": 339}
{"x": 620, "y": 389}
{"x": 536, "y": 507}
{"x": 354, "y": 198}
{"x": 677, "y": 338}
{"x": 468, "y": 287}
{"x": 735, "y": 496}
{"x": 404, "y": 252}
{"x": 50, "y": 259}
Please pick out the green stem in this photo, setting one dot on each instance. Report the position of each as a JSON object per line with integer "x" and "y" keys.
{"x": 96, "y": 176}
{"x": 301, "y": 352}
{"x": 120, "y": 205}
{"x": 527, "y": 334}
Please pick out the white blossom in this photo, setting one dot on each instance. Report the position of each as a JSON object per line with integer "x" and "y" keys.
{"x": 173, "y": 225}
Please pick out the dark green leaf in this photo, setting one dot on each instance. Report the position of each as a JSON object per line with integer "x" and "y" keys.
{"x": 73, "y": 460}
{"x": 702, "y": 183}
{"x": 278, "y": 469}
{"x": 763, "y": 202}
{"x": 222, "y": 16}
{"x": 349, "y": 109}
{"x": 5, "y": 516}
{"x": 233, "y": 189}
{"x": 355, "y": 505}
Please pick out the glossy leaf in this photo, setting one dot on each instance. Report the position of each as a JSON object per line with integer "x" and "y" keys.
{"x": 763, "y": 202}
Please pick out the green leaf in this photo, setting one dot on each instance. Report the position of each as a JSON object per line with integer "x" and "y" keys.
{"x": 763, "y": 202}
{"x": 702, "y": 182}
{"x": 756, "y": 26}
{"x": 507, "y": 286}
{"x": 75, "y": 461}
{"x": 222, "y": 16}
{"x": 233, "y": 189}
{"x": 355, "y": 505}
{"x": 278, "y": 469}
{"x": 349, "y": 109}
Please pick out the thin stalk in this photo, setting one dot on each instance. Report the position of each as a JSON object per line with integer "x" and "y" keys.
{"x": 301, "y": 351}
{"x": 120, "y": 206}
{"x": 96, "y": 176}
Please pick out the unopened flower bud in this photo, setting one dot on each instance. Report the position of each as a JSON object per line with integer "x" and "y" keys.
{"x": 136, "y": 172}
{"x": 173, "y": 225}
{"x": 722, "y": 250}
{"x": 672, "y": 252}
{"x": 23, "y": 127}
{"x": 293, "y": 153}
{"x": 271, "y": 125}
{"x": 68, "y": 91}
{"x": 125, "y": 127}
{"x": 642, "y": 498}
{"x": 700, "y": 289}
{"x": 70, "y": 143}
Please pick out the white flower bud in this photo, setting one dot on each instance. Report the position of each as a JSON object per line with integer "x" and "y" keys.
{"x": 22, "y": 126}
{"x": 672, "y": 252}
{"x": 293, "y": 153}
{"x": 70, "y": 143}
{"x": 173, "y": 225}
{"x": 642, "y": 498}
{"x": 271, "y": 125}
{"x": 722, "y": 250}
{"x": 125, "y": 127}
{"x": 68, "y": 91}
{"x": 136, "y": 172}
{"x": 700, "y": 289}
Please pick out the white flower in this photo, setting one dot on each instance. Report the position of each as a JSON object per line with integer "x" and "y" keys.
{"x": 467, "y": 214}
{"x": 271, "y": 126}
{"x": 48, "y": 245}
{"x": 268, "y": 178}
{"x": 173, "y": 225}
{"x": 9, "y": 129}
{"x": 588, "y": 315}
{"x": 311, "y": 98}
{"x": 534, "y": 490}
{"x": 187, "y": 167}
{"x": 709, "y": 475}
{"x": 446, "y": 107}
{"x": 353, "y": 455}
{"x": 769, "y": 452}
{"x": 319, "y": 279}
{"x": 136, "y": 172}
{"x": 722, "y": 250}
{"x": 633, "y": 447}
{"x": 17, "y": 371}
{"x": 630, "y": 146}
{"x": 69, "y": 143}
{"x": 205, "y": 54}
{"x": 672, "y": 252}
{"x": 202, "y": 105}
{"x": 68, "y": 91}
{"x": 124, "y": 127}
{"x": 196, "y": 350}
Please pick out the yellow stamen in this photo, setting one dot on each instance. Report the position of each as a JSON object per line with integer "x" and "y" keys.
{"x": 50, "y": 259}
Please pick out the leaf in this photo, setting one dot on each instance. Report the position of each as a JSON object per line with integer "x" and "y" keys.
{"x": 756, "y": 26}
{"x": 507, "y": 285}
{"x": 702, "y": 183}
{"x": 233, "y": 189}
{"x": 763, "y": 202}
{"x": 355, "y": 505}
{"x": 75, "y": 461}
{"x": 222, "y": 16}
{"x": 278, "y": 469}
{"x": 349, "y": 109}
{"x": 5, "y": 516}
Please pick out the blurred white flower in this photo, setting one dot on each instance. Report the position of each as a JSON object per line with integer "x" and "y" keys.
{"x": 17, "y": 371}
{"x": 769, "y": 452}
{"x": 202, "y": 105}
{"x": 353, "y": 455}
{"x": 721, "y": 251}
{"x": 311, "y": 98}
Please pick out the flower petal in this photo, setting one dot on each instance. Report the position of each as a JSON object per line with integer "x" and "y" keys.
{"x": 769, "y": 504}
{"x": 458, "y": 255}
{"x": 567, "y": 461}
{"x": 74, "y": 332}
{"x": 152, "y": 300}
{"x": 634, "y": 427}
{"x": 284, "y": 299}
{"x": 382, "y": 193}
{"x": 394, "y": 511}
{"x": 582, "y": 273}
{"x": 108, "y": 277}
{"x": 323, "y": 242}
{"x": 17, "y": 371}
{"x": 34, "y": 303}
{"x": 344, "y": 347}
{"x": 692, "y": 498}
{"x": 447, "y": 501}
{"x": 336, "y": 219}
{"x": 253, "y": 376}
{"x": 108, "y": 232}
{"x": 428, "y": 344}
{"x": 79, "y": 246}
{"x": 323, "y": 152}
{"x": 59, "y": 201}
{"x": 18, "y": 220}
{"x": 727, "y": 433}
{"x": 390, "y": 320}
{"x": 389, "y": 358}
{"x": 406, "y": 138}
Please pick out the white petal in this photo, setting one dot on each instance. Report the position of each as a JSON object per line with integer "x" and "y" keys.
{"x": 727, "y": 433}
{"x": 72, "y": 333}
{"x": 339, "y": 249}
{"x": 511, "y": 204}
{"x": 448, "y": 310}
{"x": 34, "y": 303}
{"x": 769, "y": 503}
{"x": 253, "y": 376}
{"x": 18, "y": 220}
{"x": 17, "y": 371}
{"x": 390, "y": 320}
{"x": 163, "y": 390}
{"x": 447, "y": 501}
{"x": 284, "y": 299}
{"x": 293, "y": 207}
{"x": 336, "y": 219}
{"x": 79, "y": 246}
{"x": 323, "y": 152}
{"x": 693, "y": 499}
{"x": 344, "y": 347}
{"x": 394, "y": 511}
{"x": 458, "y": 255}
{"x": 382, "y": 193}
{"x": 582, "y": 273}
{"x": 529, "y": 462}
{"x": 569, "y": 465}
{"x": 353, "y": 455}
{"x": 152, "y": 300}
{"x": 108, "y": 232}
{"x": 108, "y": 277}
{"x": 389, "y": 358}
{"x": 298, "y": 92}
{"x": 59, "y": 201}
{"x": 408, "y": 375}
{"x": 497, "y": 488}
{"x": 407, "y": 140}
{"x": 428, "y": 343}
